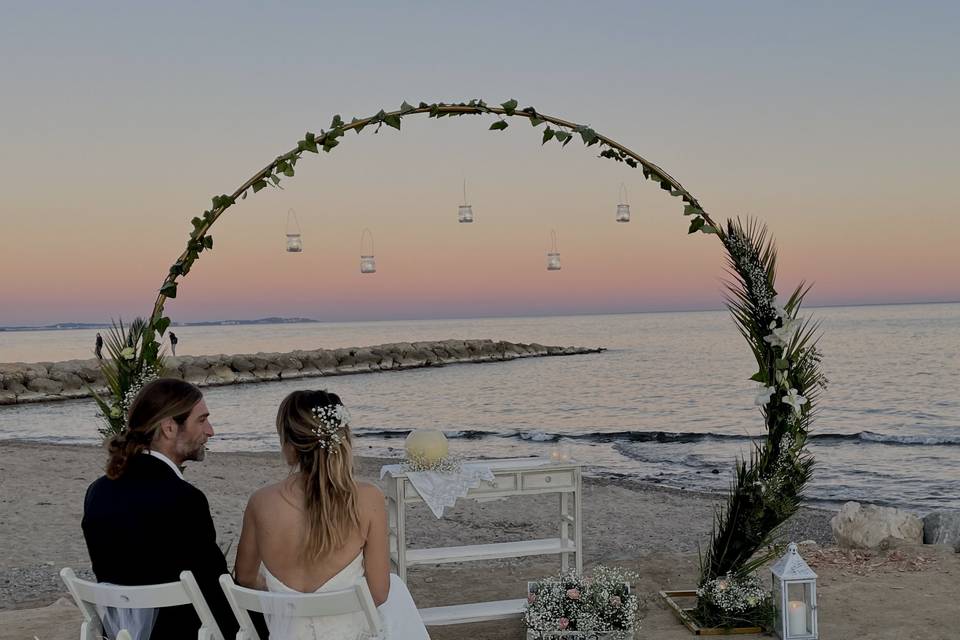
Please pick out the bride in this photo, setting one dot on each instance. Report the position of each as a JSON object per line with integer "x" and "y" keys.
{"x": 320, "y": 530}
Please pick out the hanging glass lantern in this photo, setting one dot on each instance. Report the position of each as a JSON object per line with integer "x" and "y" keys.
{"x": 623, "y": 209}
{"x": 466, "y": 211}
{"x": 553, "y": 256}
{"x": 368, "y": 263}
{"x": 795, "y": 597}
{"x": 294, "y": 242}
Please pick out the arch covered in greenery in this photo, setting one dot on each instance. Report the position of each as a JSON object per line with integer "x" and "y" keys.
{"x": 768, "y": 484}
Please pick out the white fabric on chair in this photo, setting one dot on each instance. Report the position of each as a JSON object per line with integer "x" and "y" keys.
{"x": 138, "y": 623}
{"x": 109, "y": 610}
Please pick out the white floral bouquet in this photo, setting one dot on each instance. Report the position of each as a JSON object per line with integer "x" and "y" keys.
{"x": 732, "y": 600}
{"x": 447, "y": 464}
{"x": 571, "y": 605}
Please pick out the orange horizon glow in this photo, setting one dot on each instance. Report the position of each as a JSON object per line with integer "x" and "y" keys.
{"x": 117, "y": 138}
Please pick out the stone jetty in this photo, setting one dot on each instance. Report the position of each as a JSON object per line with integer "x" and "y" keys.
{"x": 50, "y": 381}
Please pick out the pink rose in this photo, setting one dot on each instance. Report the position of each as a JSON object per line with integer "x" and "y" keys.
{"x": 573, "y": 594}
{"x": 563, "y": 623}
{"x": 615, "y": 601}
{"x": 531, "y": 598}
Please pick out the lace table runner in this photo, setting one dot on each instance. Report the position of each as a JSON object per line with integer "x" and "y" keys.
{"x": 441, "y": 490}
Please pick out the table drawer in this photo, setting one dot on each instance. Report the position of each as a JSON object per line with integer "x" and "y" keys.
{"x": 505, "y": 482}
{"x": 548, "y": 480}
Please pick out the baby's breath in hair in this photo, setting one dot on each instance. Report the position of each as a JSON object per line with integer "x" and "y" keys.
{"x": 330, "y": 422}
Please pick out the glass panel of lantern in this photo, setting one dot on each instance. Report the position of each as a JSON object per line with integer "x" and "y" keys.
{"x": 623, "y": 209}
{"x": 795, "y": 597}
{"x": 368, "y": 263}
{"x": 466, "y": 211}
{"x": 553, "y": 256}
{"x": 294, "y": 241}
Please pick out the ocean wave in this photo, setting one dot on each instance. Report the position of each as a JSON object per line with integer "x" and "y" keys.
{"x": 669, "y": 437}
{"x": 869, "y": 436}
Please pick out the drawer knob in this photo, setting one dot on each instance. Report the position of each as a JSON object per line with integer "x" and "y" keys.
{"x": 547, "y": 479}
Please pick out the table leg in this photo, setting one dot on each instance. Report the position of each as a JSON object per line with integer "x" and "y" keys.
{"x": 564, "y": 529}
{"x": 401, "y": 529}
{"x": 578, "y": 520}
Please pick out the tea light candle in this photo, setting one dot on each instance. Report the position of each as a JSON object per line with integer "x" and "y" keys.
{"x": 797, "y": 617}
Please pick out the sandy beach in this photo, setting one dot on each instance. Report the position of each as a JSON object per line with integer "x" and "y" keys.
{"x": 901, "y": 593}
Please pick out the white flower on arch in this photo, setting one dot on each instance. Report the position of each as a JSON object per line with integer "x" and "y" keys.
{"x": 794, "y": 399}
{"x": 763, "y": 395}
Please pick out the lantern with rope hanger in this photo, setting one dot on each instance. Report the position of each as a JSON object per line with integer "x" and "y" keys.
{"x": 466, "y": 211}
{"x": 368, "y": 263}
{"x": 623, "y": 209}
{"x": 294, "y": 242}
{"x": 553, "y": 256}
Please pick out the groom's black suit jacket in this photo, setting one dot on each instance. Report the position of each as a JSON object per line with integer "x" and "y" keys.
{"x": 146, "y": 527}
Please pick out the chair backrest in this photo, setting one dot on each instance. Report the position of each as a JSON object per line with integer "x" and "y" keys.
{"x": 299, "y": 605}
{"x": 156, "y": 596}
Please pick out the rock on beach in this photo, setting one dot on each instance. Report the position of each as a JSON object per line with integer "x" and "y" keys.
{"x": 942, "y": 527}
{"x": 872, "y": 527}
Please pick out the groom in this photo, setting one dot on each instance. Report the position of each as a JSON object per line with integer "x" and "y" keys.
{"x": 143, "y": 522}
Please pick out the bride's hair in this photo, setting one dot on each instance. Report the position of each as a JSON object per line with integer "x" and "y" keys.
{"x": 157, "y": 400}
{"x": 313, "y": 423}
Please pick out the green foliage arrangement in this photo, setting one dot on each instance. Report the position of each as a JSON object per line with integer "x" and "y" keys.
{"x": 133, "y": 360}
{"x": 769, "y": 486}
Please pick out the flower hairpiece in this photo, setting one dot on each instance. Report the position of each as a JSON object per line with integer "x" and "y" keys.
{"x": 331, "y": 420}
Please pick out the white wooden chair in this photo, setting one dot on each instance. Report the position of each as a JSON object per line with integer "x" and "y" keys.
{"x": 172, "y": 594}
{"x": 299, "y": 605}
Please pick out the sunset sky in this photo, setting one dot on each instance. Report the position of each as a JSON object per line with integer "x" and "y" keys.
{"x": 835, "y": 125}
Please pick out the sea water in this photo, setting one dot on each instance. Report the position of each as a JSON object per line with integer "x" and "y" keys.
{"x": 670, "y": 402}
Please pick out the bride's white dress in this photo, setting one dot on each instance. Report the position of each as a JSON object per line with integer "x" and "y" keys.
{"x": 398, "y": 614}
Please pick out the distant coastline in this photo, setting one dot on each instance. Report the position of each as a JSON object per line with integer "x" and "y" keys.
{"x": 69, "y": 326}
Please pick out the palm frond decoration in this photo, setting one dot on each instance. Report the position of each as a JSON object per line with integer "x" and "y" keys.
{"x": 768, "y": 486}
{"x": 133, "y": 360}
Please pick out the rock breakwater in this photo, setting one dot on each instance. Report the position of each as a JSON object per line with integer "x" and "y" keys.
{"x": 51, "y": 381}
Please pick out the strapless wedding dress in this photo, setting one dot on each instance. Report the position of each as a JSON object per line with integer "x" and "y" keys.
{"x": 398, "y": 614}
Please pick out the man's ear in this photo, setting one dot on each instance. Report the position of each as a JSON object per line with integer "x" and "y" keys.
{"x": 168, "y": 429}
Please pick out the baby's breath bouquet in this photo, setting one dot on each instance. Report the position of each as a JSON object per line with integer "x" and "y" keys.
{"x": 447, "y": 464}
{"x": 570, "y": 605}
{"x": 735, "y": 601}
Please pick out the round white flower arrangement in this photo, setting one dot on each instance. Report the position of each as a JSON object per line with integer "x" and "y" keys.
{"x": 733, "y": 600}
{"x": 427, "y": 450}
{"x": 597, "y": 604}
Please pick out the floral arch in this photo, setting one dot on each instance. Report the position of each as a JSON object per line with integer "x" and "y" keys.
{"x": 767, "y": 487}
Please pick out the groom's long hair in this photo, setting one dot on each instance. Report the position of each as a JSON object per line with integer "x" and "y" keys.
{"x": 332, "y": 511}
{"x": 157, "y": 400}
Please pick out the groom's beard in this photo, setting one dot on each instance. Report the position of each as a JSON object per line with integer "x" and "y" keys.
{"x": 192, "y": 451}
{"x": 197, "y": 454}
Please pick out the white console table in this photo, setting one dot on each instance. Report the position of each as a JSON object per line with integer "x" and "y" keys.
{"x": 512, "y": 477}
